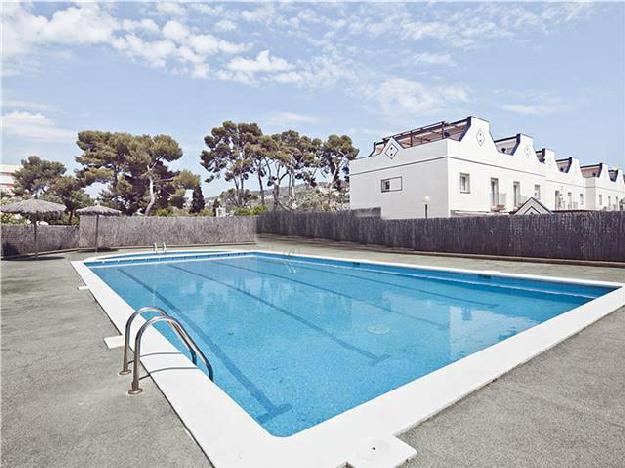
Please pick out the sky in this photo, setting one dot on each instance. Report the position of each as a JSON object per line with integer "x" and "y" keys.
{"x": 555, "y": 71}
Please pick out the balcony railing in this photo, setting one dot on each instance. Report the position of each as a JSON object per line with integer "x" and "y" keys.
{"x": 498, "y": 201}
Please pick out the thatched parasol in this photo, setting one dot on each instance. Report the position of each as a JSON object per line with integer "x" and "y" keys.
{"x": 34, "y": 208}
{"x": 97, "y": 211}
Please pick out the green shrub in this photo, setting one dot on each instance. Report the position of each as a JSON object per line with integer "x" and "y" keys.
{"x": 250, "y": 211}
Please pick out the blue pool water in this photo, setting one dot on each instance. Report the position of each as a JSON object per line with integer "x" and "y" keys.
{"x": 296, "y": 341}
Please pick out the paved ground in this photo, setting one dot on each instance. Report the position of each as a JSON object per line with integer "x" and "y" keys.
{"x": 63, "y": 403}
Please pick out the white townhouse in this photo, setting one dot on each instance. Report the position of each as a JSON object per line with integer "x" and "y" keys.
{"x": 457, "y": 168}
{"x": 7, "y": 177}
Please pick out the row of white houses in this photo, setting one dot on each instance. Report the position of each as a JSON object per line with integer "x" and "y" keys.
{"x": 458, "y": 169}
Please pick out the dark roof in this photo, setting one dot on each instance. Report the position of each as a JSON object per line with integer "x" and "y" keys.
{"x": 592, "y": 170}
{"x": 508, "y": 149}
{"x": 564, "y": 164}
{"x": 613, "y": 174}
{"x": 540, "y": 154}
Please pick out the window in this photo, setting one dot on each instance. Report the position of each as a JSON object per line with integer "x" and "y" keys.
{"x": 494, "y": 192}
{"x": 537, "y": 192}
{"x": 465, "y": 183}
{"x": 600, "y": 200}
{"x": 516, "y": 192}
{"x": 558, "y": 200}
{"x": 581, "y": 200}
{"x": 569, "y": 199}
{"x": 609, "y": 201}
{"x": 391, "y": 185}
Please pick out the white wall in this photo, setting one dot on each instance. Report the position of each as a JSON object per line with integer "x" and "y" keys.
{"x": 423, "y": 170}
{"x": 484, "y": 162}
{"x": 434, "y": 169}
{"x": 602, "y": 190}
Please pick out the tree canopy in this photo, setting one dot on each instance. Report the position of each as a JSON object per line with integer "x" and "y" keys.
{"x": 197, "y": 201}
{"x": 42, "y": 178}
{"x": 240, "y": 151}
{"x": 133, "y": 167}
{"x": 231, "y": 153}
{"x": 68, "y": 191}
{"x": 36, "y": 176}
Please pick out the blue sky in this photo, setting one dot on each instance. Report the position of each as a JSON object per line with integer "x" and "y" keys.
{"x": 555, "y": 71}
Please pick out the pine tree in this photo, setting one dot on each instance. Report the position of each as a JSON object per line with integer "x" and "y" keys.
{"x": 197, "y": 200}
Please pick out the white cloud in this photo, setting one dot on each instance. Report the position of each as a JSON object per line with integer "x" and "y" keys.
{"x": 433, "y": 58}
{"x": 176, "y": 47}
{"x": 282, "y": 118}
{"x": 264, "y": 13}
{"x": 376, "y": 133}
{"x": 36, "y": 126}
{"x": 532, "y": 109}
{"x": 175, "y": 31}
{"x": 245, "y": 70}
{"x": 155, "y": 53}
{"x": 29, "y": 105}
{"x": 207, "y": 9}
{"x": 145, "y": 24}
{"x": 170, "y": 9}
{"x": 209, "y": 45}
{"x": 470, "y": 25}
{"x": 263, "y": 62}
{"x": 86, "y": 24}
{"x": 200, "y": 70}
{"x": 225, "y": 25}
{"x": 402, "y": 97}
{"x": 323, "y": 35}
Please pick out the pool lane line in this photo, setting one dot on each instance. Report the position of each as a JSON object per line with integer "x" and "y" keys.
{"x": 271, "y": 409}
{"x": 374, "y": 358}
{"x": 278, "y": 262}
{"x": 571, "y": 296}
{"x": 346, "y": 296}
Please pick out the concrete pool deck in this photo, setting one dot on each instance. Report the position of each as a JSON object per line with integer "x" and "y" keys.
{"x": 64, "y": 405}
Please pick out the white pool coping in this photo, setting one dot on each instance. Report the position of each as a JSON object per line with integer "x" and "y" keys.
{"x": 362, "y": 436}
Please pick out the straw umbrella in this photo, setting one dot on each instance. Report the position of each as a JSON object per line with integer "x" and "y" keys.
{"x": 97, "y": 211}
{"x": 34, "y": 208}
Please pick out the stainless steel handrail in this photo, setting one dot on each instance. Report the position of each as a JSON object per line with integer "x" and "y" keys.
{"x": 182, "y": 334}
{"x": 140, "y": 311}
{"x": 164, "y": 247}
{"x": 155, "y": 248}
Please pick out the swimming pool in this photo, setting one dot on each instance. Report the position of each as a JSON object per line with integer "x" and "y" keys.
{"x": 301, "y": 342}
{"x": 296, "y": 341}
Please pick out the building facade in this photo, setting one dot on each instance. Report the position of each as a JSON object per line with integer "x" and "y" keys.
{"x": 458, "y": 169}
{"x": 7, "y": 179}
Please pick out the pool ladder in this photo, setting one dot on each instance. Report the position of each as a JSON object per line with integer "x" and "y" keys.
{"x": 175, "y": 325}
{"x": 156, "y": 247}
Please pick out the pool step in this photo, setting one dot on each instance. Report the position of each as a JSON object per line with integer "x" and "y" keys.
{"x": 113, "y": 342}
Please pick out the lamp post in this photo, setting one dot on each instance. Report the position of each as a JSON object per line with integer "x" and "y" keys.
{"x": 426, "y": 200}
